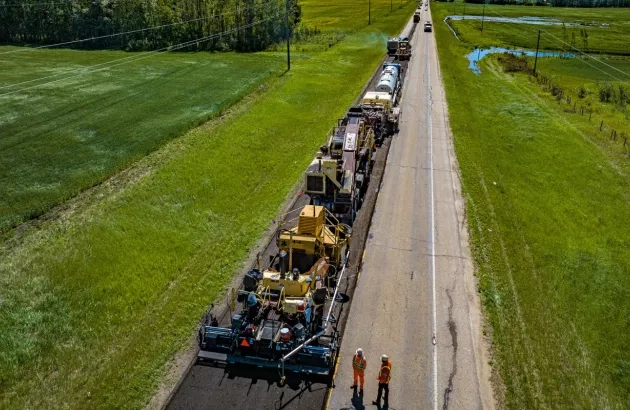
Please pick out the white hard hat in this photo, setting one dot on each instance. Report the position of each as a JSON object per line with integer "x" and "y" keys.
{"x": 360, "y": 351}
{"x": 384, "y": 358}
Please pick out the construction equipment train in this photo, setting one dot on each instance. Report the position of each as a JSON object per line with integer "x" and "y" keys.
{"x": 338, "y": 177}
{"x": 283, "y": 327}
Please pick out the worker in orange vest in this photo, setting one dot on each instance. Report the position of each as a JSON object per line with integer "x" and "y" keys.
{"x": 384, "y": 374}
{"x": 358, "y": 365}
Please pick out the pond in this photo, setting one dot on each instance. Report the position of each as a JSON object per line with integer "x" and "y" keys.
{"x": 541, "y": 21}
{"x": 478, "y": 53}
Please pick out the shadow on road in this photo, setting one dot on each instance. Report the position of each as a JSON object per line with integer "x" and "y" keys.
{"x": 307, "y": 386}
{"x": 357, "y": 400}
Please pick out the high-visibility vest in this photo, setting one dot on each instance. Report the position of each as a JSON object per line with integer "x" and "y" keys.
{"x": 385, "y": 373}
{"x": 358, "y": 364}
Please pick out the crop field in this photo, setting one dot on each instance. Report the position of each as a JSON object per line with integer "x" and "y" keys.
{"x": 547, "y": 200}
{"x": 95, "y": 304}
{"x": 94, "y": 125}
{"x": 348, "y": 15}
{"x": 608, "y": 29}
{"x": 68, "y": 135}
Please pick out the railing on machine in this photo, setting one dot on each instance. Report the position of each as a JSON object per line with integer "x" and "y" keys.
{"x": 327, "y": 320}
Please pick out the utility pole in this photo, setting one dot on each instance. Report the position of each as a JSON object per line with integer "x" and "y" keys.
{"x": 391, "y": 5}
{"x": 483, "y": 17}
{"x": 369, "y": 12}
{"x": 288, "y": 33}
{"x": 536, "y": 58}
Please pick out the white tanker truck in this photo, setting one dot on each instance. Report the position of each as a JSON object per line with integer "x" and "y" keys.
{"x": 379, "y": 104}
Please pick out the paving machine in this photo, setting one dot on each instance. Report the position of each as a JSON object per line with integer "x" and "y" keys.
{"x": 392, "y": 45}
{"x": 338, "y": 177}
{"x": 403, "y": 52}
{"x": 380, "y": 112}
{"x": 279, "y": 330}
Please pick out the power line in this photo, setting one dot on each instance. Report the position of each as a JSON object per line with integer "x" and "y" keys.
{"x": 584, "y": 61}
{"x": 151, "y": 54}
{"x": 586, "y": 54}
{"x": 120, "y": 34}
{"x": 34, "y": 4}
{"x": 595, "y": 67}
{"x": 60, "y": 74}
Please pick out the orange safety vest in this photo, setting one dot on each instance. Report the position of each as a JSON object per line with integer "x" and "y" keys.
{"x": 385, "y": 373}
{"x": 358, "y": 364}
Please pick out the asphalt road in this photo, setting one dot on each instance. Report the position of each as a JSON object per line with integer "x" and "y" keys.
{"x": 415, "y": 299}
{"x": 417, "y": 242}
{"x": 210, "y": 388}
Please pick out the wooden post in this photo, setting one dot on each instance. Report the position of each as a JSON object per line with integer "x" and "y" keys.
{"x": 288, "y": 33}
{"x": 536, "y": 59}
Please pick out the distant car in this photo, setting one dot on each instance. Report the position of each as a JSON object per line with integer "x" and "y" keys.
{"x": 428, "y": 27}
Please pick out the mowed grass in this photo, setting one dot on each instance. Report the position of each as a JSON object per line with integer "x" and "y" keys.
{"x": 62, "y": 137}
{"x": 547, "y": 211}
{"x": 94, "y": 306}
{"x": 613, "y": 38}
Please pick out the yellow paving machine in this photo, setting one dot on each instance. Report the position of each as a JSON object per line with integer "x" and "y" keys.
{"x": 279, "y": 328}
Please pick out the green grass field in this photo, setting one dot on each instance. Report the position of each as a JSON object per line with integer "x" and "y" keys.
{"x": 69, "y": 135}
{"x": 94, "y": 305}
{"x": 547, "y": 201}
{"x": 613, "y": 38}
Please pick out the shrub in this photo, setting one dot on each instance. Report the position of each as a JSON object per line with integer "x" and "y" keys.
{"x": 582, "y": 91}
{"x": 606, "y": 92}
{"x": 623, "y": 96}
{"x": 513, "y": 63}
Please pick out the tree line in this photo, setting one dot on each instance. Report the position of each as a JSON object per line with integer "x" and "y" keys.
{"x": 246, "y": 25}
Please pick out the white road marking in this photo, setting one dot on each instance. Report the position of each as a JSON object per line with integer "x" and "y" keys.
{"x": 432, "y": 218}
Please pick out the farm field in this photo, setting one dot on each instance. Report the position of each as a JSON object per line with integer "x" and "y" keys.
{"x": 94, "y": 125}
{"x": 69, "y": 135}
{"x": 547, "y": 194}
{"x": 96, "y": 303}
{"x": 608, "y": 29}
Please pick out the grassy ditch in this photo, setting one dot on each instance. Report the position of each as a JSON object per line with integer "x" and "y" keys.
{"x": 546, "y": 208}
{"x": 94, "y": 306}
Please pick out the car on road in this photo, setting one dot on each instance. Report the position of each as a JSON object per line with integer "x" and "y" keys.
{"x": 428, "y": 27}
